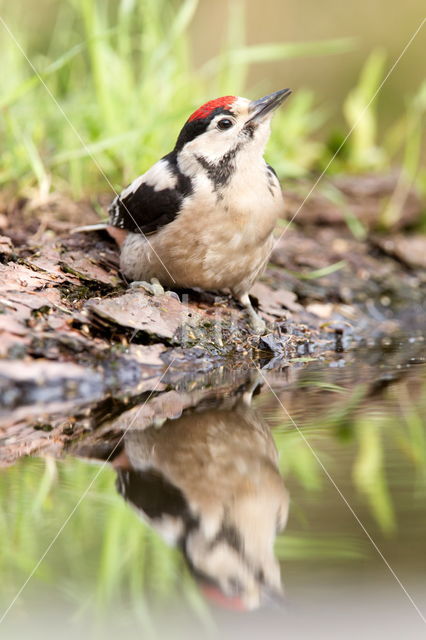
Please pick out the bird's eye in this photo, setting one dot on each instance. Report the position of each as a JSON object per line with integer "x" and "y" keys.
{"x": 225, "y": 123}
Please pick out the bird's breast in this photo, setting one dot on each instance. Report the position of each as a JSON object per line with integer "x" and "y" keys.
{"x": 220, "y": 237}
{"x": 251, "y": 208}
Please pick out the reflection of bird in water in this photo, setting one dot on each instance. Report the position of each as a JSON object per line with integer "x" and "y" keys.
{"x": 209, "y": 483}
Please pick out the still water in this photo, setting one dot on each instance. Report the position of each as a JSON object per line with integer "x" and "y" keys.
{"x": 280, "y": 503}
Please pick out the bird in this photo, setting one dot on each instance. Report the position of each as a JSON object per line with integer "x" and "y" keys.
{"x": 208, "y": 482}
{"x": 203, "y": 215}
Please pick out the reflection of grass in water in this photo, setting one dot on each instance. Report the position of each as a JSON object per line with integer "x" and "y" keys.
{"x": 291, "y": 547}
{"x": 373, "y": 426}
{"x": 105, "y": 554}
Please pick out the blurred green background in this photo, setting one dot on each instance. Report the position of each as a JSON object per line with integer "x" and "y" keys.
{"x": 126, "y": 75}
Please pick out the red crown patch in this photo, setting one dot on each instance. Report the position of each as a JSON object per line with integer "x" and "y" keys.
{"x": 204, "y": 111}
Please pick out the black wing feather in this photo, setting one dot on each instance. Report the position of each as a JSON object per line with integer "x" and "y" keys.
{"x": 147, "y": 210}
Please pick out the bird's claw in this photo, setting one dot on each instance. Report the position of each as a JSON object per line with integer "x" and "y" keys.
{"x": 154, "y": 287}
{"x": 256, "y": 322}
{"x": 258, "y": 325}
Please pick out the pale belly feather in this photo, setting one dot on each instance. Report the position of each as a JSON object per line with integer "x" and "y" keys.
{"x": 213, "y": 244}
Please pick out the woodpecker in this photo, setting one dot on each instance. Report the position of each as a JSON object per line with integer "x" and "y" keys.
{"x": 209, "y": 483}
{"x": 203, "y": 215}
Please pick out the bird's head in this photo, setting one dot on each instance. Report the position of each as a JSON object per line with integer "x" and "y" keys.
{"x": 226, "y": 126}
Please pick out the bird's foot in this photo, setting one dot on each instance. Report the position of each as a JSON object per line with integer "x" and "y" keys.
{"x": 154, "y": 287}
{"x": 257, "y": 323}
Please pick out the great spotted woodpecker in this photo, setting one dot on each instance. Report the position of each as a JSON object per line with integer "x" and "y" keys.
{"x": 203, "y": 215}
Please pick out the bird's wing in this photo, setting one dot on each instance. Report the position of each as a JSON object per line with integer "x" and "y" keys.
{"x": 153, "y": 200}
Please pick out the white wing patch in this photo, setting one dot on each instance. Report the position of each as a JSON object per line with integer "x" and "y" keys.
{"x": 158, "y": 177}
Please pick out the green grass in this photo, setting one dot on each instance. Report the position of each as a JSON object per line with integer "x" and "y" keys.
{"x": 122, "y": 75}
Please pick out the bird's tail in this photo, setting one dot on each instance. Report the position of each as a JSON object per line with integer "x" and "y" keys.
{"x": 118, "y": 235}
{"x": 100, "y": 226}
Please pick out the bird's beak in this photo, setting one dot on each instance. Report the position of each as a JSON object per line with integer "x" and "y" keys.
{"x": 272, "y": 598}
{"x": 258, "y": 109}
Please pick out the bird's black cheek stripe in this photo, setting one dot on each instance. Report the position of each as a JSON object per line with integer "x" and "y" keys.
{"x": 228, "y": 534}
{"x": 220, "y": 172}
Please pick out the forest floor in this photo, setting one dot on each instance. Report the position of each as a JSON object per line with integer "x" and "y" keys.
{"x": 76, "y": 340}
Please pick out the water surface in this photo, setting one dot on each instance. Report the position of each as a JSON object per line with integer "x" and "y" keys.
{"x": 293, "y": 506}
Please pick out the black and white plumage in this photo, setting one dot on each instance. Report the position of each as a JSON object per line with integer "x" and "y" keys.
{"x": 204, "y": 482}
{"x": 155, "y": 198}
{"x": 203, "y": 215}
{"x": 152, "y": 200}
